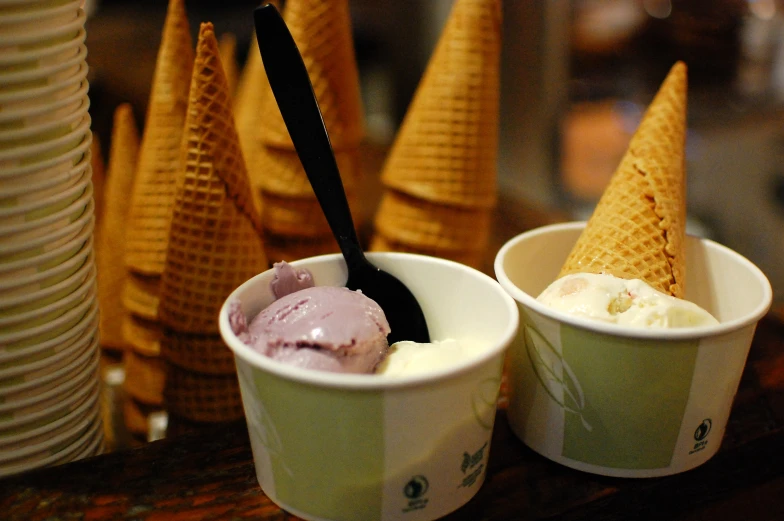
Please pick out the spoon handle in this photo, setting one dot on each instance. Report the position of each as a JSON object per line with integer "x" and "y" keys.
{"x": 294, "y": 94}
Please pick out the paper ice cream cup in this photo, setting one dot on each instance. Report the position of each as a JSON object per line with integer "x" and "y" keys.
{"x": 20, "y": 11}
{"x": 15, "y": 104}
{"x": 43, "y": 75}
{"x": 41, "y": 31}
{"x": 47, "y": 124}
{"x": 27, "y": 208}
{"x": 28, "y": 151}
{"x": 621, "y": 402}
{"x": 371, "y": 447}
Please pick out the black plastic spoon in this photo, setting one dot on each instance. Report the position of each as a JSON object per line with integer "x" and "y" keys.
{"x": 294, "y": 94}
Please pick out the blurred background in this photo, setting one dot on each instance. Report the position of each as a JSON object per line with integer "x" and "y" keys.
{"x": 576, "y": 77}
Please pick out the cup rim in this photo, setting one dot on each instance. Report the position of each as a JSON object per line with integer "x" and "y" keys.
{"x": 81, "y": 148}
{"x": 45, "y": 32}
{"x": 52, "y": 105}
{"x": 86, "y": 256}
{"x": 74, "y": 228}
{"x": 27, "y": 131}
{"x": 684, "y": 333}
{"x": 24, "y": 16}
{"x": 51, "y": 180}
{"x": 80, "y": 331}
{"x": 369, "y": 382}
{"x": 26, "y": 94}
{"x": 43, "y": 429}
{"x": 41, "y": 52}
{"x": 89, "y": 349}
{"x": 71, "y": 435}
{"x": 38, "y": 73}
{"x": 81, "y": 292}
{"x": 16, "y": 153}
{"x": 81, "y": 255}
{"x": 79, "y": 239}
{"x": 80, "y": 188}
{"x": 75, "y": 355}
{"x": 87, "y": 394}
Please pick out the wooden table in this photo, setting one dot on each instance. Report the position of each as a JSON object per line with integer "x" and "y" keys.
{"x": 209, "y": 474}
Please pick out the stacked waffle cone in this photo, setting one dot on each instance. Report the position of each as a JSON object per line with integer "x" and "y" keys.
{"x": 149, "y": 217}
{"x": 214, "y": 245}
{"x": 294, "y": 224}
{"x": 150, "y": 213}
{"x": 638, "y": 226}
{"x": 110, "y": 236}
{"x": 440, "y": 175}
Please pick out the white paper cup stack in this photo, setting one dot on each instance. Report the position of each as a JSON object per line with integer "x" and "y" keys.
{"x": 49, "y": 384}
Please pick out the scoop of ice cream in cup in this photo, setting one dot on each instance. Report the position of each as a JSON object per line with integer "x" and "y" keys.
{"x": 404, "y": 442}
{"x": 619, "y": 399}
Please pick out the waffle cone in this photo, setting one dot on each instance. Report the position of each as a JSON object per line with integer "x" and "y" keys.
{"x": 637, "y": 229}
{"x": 446, "y": 148}
{"x": 282, "y": 173}
{"x": 298, "y": 217}
{"x": 142, "y": 336}
{"x": 247, "y": 110}
{"x": 473, "y": 259}
{"x": 433, "y": 227}
{"x": 227, "y": 48}
{"x": 322, "y": 32}
{"x": 289, "y": 248}
{"x": 137, "y": 416}
{"x": 153, "y": 192}
{"x": 110, "y": 240}
{"x": 141, "y": 295}
{"x": 215, "y": 243}
{"x": 203, "y": 398}
{"x": 206, "y": 354}
{"x": 98, "y": 176}
{"x": 145, "y": 378}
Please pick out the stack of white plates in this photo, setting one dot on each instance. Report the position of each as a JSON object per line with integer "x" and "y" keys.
{"x": 49, "y": 385}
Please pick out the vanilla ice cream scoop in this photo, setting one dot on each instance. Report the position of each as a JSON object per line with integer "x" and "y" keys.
{"x": 408, "y": 358}
{"x": 625, "y": 302}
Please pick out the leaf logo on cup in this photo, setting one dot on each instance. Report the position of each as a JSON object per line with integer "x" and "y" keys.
{"x": 555, "y": 375}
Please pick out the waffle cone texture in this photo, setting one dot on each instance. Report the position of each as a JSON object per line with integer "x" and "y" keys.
{"x": 150, "y": 213}
{"x": 638, "y": 227}
{"x": 110, "y": 251}
{"x": 215, "y": 242}
{"x": 322, "y": 32}
{"x": 446, "y": 148}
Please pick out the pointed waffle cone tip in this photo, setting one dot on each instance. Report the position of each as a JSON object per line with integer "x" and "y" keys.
{"x": 110, "y": 240}
{"x": 251, "y": 86}
{"x": 153, "y": 192}
{"x": 638, "y": 226}
{"x": 227, "y": 47}
{"x": 215, "y": 241}
{"x": 322, "y": 32}
{"x": 446, "y": 148}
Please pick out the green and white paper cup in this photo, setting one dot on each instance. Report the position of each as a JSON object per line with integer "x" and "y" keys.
{"x": 627, "y": 402}
{"x": 369, "y": 447}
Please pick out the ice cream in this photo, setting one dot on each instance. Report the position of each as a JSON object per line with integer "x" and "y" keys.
{"x": 335, "y": 329}
{"x": 288, "y": 280}
{"x": 325, "y": 328}
{"x": 410, "y": 358}
{"x": 627, "y": 302}
{"x": 628, "y": 266}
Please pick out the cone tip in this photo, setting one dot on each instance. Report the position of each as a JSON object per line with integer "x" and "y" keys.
{"x": 123, "y": 111}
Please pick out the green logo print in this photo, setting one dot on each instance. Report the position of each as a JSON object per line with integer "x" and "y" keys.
{"x": 473, "y": 463}
{"x": 415, "y": 490}
{"x": 702, "y": 431}
{"x": 555, "y": 375}
{"x": 484, "y": 401}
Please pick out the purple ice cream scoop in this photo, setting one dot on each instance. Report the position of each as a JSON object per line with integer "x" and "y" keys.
{"x": 325, "y": 328}
{"x": 288, "y": 280}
